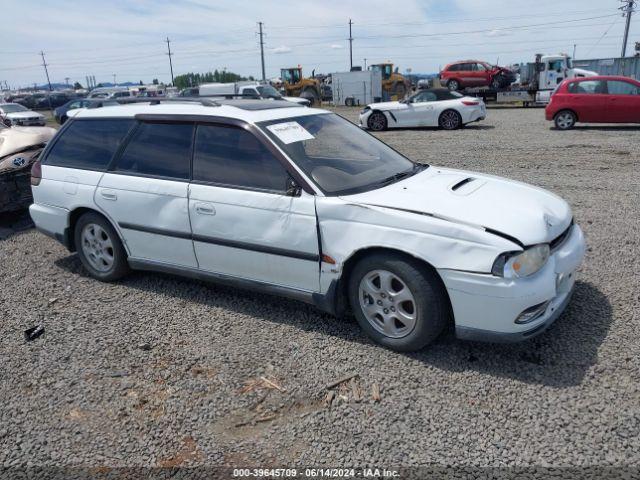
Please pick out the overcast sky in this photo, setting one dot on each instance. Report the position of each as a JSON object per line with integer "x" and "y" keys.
{"x": 127, "y": 37}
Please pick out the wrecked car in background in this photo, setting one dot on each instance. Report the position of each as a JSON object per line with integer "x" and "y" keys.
{"x": 19, "y": 148}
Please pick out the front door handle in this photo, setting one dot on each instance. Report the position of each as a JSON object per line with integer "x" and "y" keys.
{"x": 205, "y": 209}
{"x": 108, "y": 195}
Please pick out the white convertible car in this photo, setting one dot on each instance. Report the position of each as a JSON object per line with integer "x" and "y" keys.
{"x": 436, "y": 107}
{"x": 301, "y": 202}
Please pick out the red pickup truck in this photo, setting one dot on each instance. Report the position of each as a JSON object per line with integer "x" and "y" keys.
{"x": 475, "y": 73}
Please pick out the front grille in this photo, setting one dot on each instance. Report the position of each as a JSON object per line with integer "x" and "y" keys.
{"x": 559, "y": 240}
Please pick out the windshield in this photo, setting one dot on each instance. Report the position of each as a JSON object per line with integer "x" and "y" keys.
{"x": 339, "y": 157}
{"x": 12, "y": 108}
{"x": 267, "y": 91}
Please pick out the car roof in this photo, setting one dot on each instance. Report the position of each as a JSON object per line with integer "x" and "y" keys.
{"x": 250, "y": 111}
{"x": 602, "y": 77}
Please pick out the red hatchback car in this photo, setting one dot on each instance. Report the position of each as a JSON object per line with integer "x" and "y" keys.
{"x": 602, "y": 99}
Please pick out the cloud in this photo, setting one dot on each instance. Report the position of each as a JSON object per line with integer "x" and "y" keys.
{"x": 498, "y": 33}
{"x": 335, "y": 46}
{"x": 281, "y": 49}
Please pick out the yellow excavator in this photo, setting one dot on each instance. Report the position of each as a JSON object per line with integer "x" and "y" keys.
{"x": 394, "y": 84}
{"x": 295, "y": 85}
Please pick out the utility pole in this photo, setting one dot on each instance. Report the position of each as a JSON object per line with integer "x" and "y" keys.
{"x": 114, "y": 80}
{"x": 574, "y": 51}
{"x": 44, "y": 64}
{"x": 350, "y": 46}
{"x": 170, "y": 62}
{"x": 627, "y": 10}
{"x": 264, "y": 77}
{"x": 365, "y": 63}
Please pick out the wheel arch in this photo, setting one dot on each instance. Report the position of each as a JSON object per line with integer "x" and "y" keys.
{"x": 341, "y": 293}
{"x": 74, "y": 216}
{"x": 452, "y": 109}
{"x": 567, "y": 110}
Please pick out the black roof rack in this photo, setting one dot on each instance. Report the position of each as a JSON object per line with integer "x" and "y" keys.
{"x": 157, "y": 100}
{"x": 239, "y": 100}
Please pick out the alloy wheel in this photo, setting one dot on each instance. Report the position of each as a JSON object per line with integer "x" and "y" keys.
{"x": 387, "y": 303}
{"x": 449, "y": 120}
{"x": 97, "y": 247}
{"x": 565, "y": 120}
{"x": 377, "y": 122}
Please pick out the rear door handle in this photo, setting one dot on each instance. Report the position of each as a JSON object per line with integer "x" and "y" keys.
{"x": 109, "y": 195}
{"x": 205, "y": 209}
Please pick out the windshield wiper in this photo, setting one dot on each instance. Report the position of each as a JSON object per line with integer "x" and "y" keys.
{"x": 400, "y": 175}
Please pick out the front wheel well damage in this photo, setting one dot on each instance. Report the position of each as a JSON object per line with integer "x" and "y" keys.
{"x": 341, "y": 300}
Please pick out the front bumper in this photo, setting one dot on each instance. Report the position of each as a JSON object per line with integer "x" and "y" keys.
{"x": 363, "y": 118}
{"x": 40, "y": 122}
{"x": 485, "y": 307}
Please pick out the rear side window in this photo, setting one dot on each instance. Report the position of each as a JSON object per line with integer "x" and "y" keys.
{"x": 159, "y": 150}
{"x": 587, "y": 87}
{"x": 617, "y": 87}
{"x": 235, "y": 157}
{"x": 88, "y": 144}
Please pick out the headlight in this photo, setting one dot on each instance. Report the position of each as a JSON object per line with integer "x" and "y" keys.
{"x": 365, "y": 110}
{"x": 521, "y": 264}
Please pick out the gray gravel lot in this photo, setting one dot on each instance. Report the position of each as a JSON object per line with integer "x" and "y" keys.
{"x": 164, "y": 371}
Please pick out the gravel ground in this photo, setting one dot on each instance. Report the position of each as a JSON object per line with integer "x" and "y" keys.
{"x": 163, "y": 371}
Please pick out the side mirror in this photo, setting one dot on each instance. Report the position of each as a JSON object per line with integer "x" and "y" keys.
{"x": 292, "y": 189}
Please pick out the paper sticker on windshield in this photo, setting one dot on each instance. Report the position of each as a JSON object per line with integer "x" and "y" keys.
{"x": 289, "y": 132}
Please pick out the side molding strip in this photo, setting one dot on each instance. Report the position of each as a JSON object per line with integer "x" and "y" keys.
{"x": 312, "y": 257}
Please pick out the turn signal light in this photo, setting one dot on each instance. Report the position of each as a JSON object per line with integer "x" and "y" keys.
{"x": 470, "y": 102}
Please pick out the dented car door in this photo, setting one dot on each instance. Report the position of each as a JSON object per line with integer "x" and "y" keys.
{"x": 244, "y": 223}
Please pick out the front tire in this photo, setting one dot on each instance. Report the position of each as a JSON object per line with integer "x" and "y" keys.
{"x": 398, "y": 302}
{"x": 565, "y": 120}
{"x": 377, "y": 122}
{"x": 99, "y": 248}
{"x": 450, "y": 120}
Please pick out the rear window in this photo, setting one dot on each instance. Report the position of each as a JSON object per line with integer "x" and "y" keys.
{"x": 618, "y": 87}
{"x": 88, "y": 144}
{"x": 158, "y": 150}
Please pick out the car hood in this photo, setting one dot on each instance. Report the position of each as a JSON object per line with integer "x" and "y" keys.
{"x": 16, "y": 139}
{"x": 28, "y": 114}
{"x": 386, "y": 106}
{"x": 295, "y": 100}
{"x": 527, "y": 214}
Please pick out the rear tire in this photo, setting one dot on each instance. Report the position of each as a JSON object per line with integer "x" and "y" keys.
{"x": 565, "y": 120}
{"x": 450, "y": 120}
{"x": 99, "y": 248}
{"x": 377, "y": 122}
{"x": 398, "y": 302}
{"x": 453, "y": 85}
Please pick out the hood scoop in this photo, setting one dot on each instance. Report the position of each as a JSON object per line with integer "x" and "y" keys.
{"x": 466, "y": 186}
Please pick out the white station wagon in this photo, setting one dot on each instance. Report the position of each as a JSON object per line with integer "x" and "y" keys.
{"x": 300, "y": 202}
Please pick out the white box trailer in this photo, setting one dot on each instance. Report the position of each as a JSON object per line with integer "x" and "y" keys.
{"x": 361, "y": 87}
